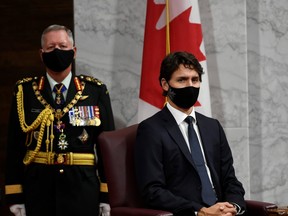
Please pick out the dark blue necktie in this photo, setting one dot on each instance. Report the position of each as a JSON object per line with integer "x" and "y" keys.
{"x": 59, "y": 98}
{"x": 208, "y": 194}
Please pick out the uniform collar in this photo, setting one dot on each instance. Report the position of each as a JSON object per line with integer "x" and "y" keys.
{"x": 66, "y": 81}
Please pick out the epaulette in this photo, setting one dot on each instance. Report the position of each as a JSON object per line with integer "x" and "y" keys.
{"x": 90, "y": 79}
{"x": 26, "y": 80}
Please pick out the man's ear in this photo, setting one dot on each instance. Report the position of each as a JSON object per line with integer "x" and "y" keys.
{"x": 40, "y": 53}
{"x": 164, "y": 84}
{"x": 75, "y": 51}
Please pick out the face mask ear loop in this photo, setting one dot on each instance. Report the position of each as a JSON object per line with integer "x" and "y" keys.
{"x": 166, "y": 97}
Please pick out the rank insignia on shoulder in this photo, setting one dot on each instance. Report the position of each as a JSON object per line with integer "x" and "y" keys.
{"x": 91, "y": 79}
{"x": 84, "y": 116}
{"x": 25, "y": 80}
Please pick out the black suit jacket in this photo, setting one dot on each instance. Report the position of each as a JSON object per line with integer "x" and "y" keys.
{"x": 46, "y": 190}
{"x": 166, "y": 176}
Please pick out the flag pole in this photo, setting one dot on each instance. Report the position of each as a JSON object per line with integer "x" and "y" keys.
{"x": 167, "y": 27}
{"x": 167, "y": 34}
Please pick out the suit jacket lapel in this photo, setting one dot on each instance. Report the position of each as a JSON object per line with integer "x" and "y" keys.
{"x": 175, "y": 133}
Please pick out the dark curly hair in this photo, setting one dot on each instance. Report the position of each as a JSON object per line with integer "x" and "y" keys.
{"x": 172, "y": 62}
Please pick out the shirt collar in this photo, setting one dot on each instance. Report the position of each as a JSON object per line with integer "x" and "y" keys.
{"x": 66, "y": 81}
{"x": 180, "y": 116}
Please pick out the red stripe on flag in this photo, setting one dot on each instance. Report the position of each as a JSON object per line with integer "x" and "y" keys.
{"x": 153, "y": 52}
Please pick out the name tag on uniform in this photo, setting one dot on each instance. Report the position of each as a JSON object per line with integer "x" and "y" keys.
{"x": 84, "y": 116}
{"x": 33, "y": 110}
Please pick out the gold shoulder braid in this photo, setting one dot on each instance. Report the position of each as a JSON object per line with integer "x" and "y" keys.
{"x": 91, "y": 79}
{"x": 24, "y": 80}
{"x": 45, "y": 118}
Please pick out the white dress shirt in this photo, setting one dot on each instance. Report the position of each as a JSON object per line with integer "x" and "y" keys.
{"x": 183, "y": 126}
{"x": 65, "y": 82}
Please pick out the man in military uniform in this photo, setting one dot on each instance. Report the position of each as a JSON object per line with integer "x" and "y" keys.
{"x": 52, "y": 163}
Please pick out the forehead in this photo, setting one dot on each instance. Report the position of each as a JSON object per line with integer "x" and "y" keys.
{"x": 183, "y": 71}
{"x": 56, "y": 37}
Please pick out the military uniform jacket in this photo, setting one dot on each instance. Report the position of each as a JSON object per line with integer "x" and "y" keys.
{"x": 66, "y": 189}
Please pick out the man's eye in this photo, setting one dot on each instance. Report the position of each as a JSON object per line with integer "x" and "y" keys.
{"x": 50, "y": 49}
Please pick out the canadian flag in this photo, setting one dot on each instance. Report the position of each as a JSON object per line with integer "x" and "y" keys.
{"x": 171, "y": 25}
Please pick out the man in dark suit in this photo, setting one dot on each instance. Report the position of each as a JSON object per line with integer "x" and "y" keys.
{"x": 53, "y": 161}
{"x": 168, "y": 173}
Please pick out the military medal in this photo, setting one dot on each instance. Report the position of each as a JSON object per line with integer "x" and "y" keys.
{"x": 58, "y": 114}
{"x": 59, "y": 97}
{"x": 97, "y": 115}
{"x": 75, "y": 117}
{"x": 93, "y": 116}
{"x": 59, "y": 126}
{"x": 62, "y": 143}
{"x": 85, "y": 116}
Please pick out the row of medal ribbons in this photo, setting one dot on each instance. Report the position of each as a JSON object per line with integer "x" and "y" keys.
{"x": 84, "y": 116}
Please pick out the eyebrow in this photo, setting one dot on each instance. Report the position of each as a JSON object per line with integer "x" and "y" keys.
{"x": 187, "y": 77}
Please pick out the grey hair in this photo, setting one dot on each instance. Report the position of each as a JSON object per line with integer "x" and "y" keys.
{"x": 57, "y": 28}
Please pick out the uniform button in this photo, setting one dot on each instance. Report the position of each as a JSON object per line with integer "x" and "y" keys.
{"x": 61, "y": 171}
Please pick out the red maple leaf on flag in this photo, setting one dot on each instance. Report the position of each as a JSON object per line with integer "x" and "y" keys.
{"x": 184, "y": 36}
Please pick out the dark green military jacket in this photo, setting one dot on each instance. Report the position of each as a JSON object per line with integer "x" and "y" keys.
{"x": 58, "y": 185}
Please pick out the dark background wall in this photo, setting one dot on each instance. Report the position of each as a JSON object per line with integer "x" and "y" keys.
{"x": 21, "y": 26}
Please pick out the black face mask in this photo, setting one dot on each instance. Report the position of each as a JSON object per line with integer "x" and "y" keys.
{"x": 58, "y": 60}
{"x": 183, "y": 97}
